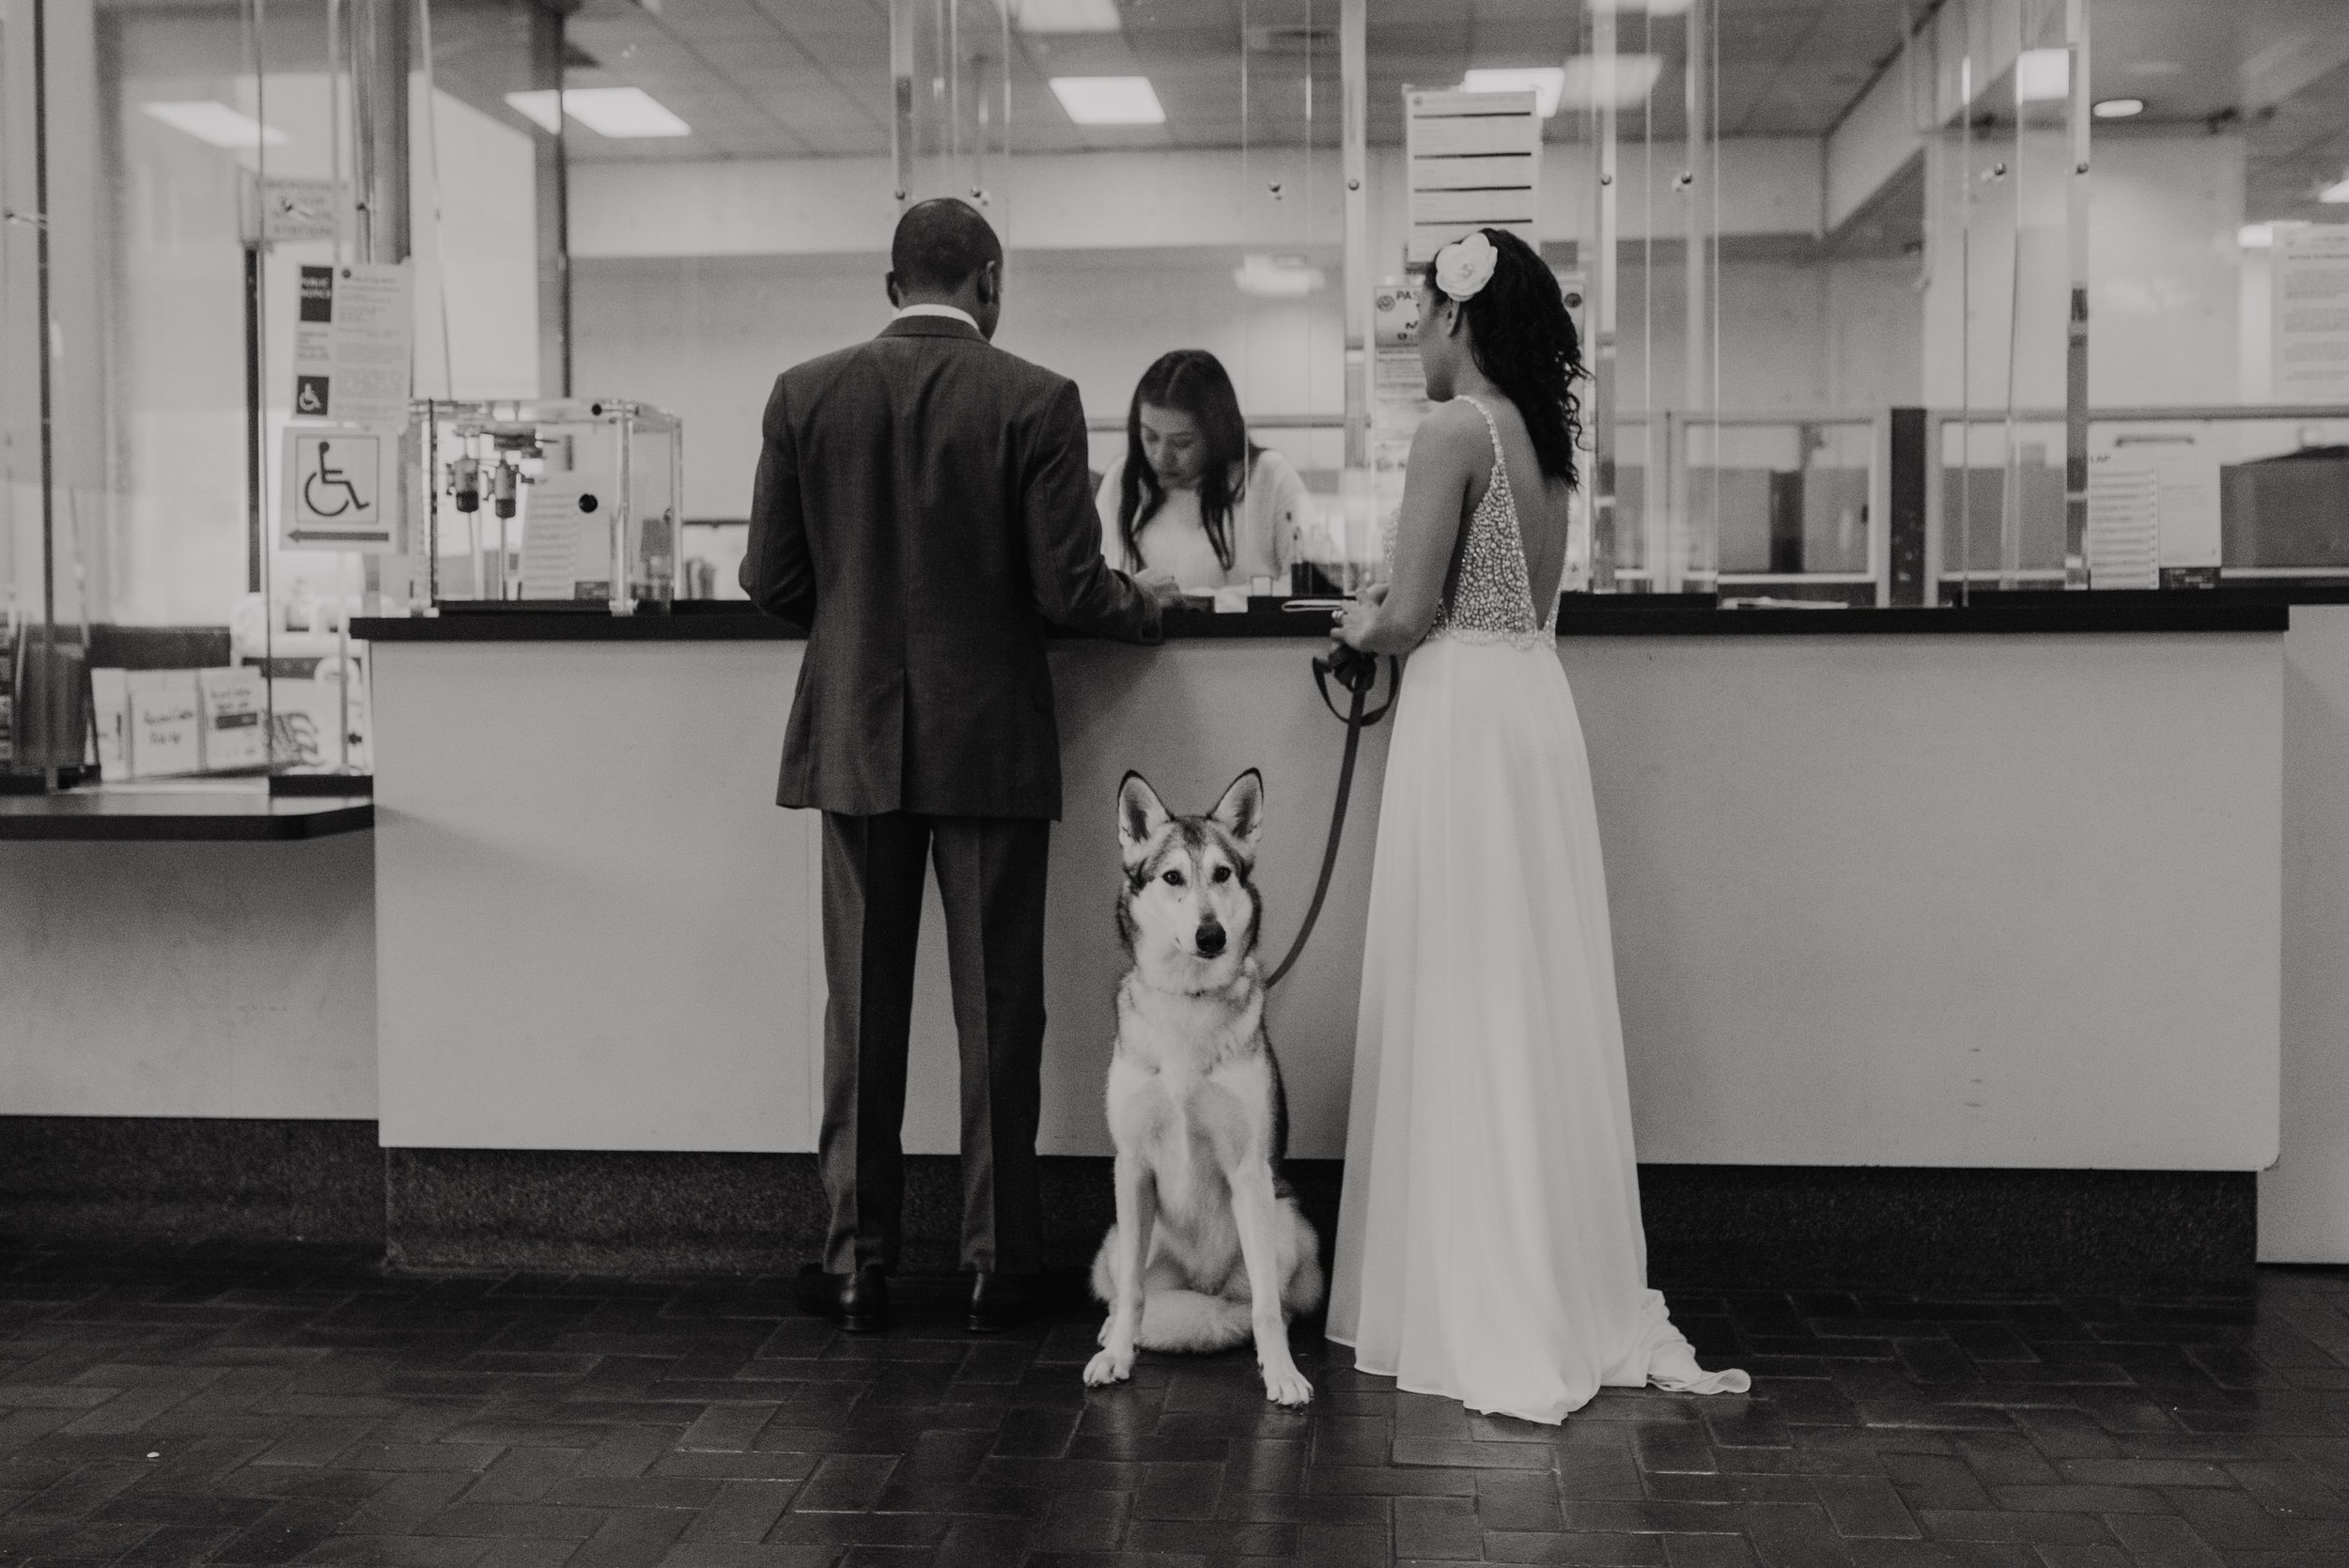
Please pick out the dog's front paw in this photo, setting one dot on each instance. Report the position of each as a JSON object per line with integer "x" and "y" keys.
{"x": 1110, "y": 1366}
{"x": 1288, "y": 1386}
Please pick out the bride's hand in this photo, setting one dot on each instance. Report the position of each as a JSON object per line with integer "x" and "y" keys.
{"x": 1354, "y": 622}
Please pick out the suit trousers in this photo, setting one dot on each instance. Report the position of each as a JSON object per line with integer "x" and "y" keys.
{"x": 990, "y": 879}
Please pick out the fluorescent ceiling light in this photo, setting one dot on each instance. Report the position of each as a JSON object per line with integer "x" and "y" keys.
{"x": 2337, "y": 191}
{"x": 2041, "y": 75}
{"x": 543, "y": 109}
{"x": 1623, "y": 83}
{"x": 1109, "y": 99}
{"x": 623, "y": 114}
{"x": 2118, "y": 108}
{"x": 1066, "y": 16}
{"x": 1277, "y": 277}
{"x": 1652, "y": 7}
{"x": 2255, "y": 237}
{"x": 1545, "y": 83}
{"x": 211, "y": 121}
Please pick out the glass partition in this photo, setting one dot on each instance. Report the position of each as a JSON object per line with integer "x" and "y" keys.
{"x": 2177, "y": 498}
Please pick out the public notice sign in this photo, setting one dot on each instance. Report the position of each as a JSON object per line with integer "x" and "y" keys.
{"x": 354, "y": 344}
{"x": 2311, "y": 312}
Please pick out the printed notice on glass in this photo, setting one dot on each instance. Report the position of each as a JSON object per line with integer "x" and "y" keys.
{"x": 2311, "y": 312}
{"x": 566, "y": 536}
{"x": 295, "y": 211}
{"x": 353, "y": 341}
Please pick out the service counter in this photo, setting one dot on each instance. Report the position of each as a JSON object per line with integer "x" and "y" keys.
{"x": 1997, "y": 887}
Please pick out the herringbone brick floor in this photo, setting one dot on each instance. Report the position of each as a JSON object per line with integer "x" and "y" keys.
{"x": 162, "y": 1406}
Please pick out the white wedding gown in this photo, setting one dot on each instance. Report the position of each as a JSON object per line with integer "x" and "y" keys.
{"x": 1489, "y": 1246}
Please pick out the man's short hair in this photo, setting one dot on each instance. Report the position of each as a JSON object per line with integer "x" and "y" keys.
{"x": 939, "y": 244}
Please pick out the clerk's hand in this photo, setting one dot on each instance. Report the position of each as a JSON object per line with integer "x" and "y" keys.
{"x": 1161, "y": 585}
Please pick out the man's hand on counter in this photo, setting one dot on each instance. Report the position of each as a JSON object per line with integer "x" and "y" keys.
{"x": 1161, "y": 586}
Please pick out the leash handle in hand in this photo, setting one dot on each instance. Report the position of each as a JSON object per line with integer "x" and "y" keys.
{"x": 1358, "y": 672}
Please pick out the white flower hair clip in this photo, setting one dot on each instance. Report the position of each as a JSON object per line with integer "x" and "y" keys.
{"x": 1465, "y": 266}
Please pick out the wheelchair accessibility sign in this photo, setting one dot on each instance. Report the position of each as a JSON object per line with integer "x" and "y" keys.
{"x": 337, "y": 486}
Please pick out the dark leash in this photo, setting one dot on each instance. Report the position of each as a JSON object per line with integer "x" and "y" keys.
{"x": 1358, "y": 672}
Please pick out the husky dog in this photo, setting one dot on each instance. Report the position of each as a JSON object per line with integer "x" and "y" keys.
{"x": 1209, "y": 1243}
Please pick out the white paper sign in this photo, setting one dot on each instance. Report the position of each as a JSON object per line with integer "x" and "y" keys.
{"x": 566, "y": 536}
{"x": 162, "y": 725}
{"x": 339, "y": 490}
{"x": 354, "y": 344}
{"x": 2311, "y": 312}
{"x": 230, "y": 703}
{"x": 302, "y": 209}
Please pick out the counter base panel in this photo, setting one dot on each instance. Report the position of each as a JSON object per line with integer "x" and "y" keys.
{"x": 1710, "y": 1227}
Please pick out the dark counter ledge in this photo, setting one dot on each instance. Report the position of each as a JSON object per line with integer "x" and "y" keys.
{"x": 182, "y": 815}
{"x": 1581, "y": 616}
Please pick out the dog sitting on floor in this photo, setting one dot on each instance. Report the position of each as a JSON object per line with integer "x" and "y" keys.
{"x": 1209, "y": 1243}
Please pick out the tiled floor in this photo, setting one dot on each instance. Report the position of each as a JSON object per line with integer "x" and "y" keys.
{"x": 160, "y": 1407}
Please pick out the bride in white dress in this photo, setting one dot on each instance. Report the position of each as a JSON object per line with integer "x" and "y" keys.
{"x": 1489, "y": 1246}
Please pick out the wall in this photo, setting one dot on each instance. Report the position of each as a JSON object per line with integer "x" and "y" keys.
{"x": 2304, "y": 1201}
{"x": 706, "y": 337}
{"x": 1917, "y": 901}
{"x": 1944, "y": 900}
{"x": 1143, "y": 200}
{"x": 2164, "y": 270}
{"x": 189, "y": 979}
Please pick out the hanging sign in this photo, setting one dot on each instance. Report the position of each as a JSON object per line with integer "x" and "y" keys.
{"x": 2311, "y": 312}
{"x": 337, "y": 489}
{"x": 1474, "y": 160}
{"x": 354, "y": 342}
{"x": 295, "y": 210}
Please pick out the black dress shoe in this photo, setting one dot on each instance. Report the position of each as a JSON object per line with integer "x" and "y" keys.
{"x": 1000, "y": 1302}
{"x": 856, "y": 1303}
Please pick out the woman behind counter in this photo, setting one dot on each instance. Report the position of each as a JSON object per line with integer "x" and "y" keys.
{"x": 1194, "y": 497}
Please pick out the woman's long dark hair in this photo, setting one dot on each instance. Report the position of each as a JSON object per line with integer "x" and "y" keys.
{"x": 1191, "y": 382}
{"x": 1525, "y": 342}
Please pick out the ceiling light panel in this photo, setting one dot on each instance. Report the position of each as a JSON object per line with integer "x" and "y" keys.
{"x": 1066, "y": 16}
{"x": 216, "y": 124}
{"x": 2118, "y": 108}
{"x": 623, "y": 114}
{"x": 1547, "y": 84}
{"x": 1623, "y": 83}
{"x": 542, "y": 109}
{"x": 2043, "y": 75}
{"x": 1109, "y": 99}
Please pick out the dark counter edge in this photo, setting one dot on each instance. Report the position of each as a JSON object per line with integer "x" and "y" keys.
{"x": 2177, "y": 611}
{"x": 71, "y": 821}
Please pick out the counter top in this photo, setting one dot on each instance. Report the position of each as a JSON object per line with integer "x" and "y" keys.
{"x": 1581, "y": 615}
{"x": 179, "y": 812}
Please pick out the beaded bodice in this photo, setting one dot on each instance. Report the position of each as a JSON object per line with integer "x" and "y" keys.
{"x": 1492, "y": 594}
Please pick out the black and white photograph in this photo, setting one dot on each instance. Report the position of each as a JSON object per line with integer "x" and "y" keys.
{"x": 1174, "y": 783}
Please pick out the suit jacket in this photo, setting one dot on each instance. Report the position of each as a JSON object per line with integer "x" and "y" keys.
{"x": 923, "y": 508}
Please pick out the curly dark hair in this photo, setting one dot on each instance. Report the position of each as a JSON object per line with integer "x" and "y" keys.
{"x": 1524, "y": 340}
{"x": 1192, "y": 381}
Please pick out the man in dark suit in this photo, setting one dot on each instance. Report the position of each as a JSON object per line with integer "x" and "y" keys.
{"x": 923, "y": 508}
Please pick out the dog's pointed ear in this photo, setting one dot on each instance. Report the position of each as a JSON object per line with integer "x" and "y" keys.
{"x": 1140, "y": 815}
{"x": 1240, "y": 813}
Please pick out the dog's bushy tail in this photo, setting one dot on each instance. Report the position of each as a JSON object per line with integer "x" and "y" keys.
{"x": 1188, "y": 1323}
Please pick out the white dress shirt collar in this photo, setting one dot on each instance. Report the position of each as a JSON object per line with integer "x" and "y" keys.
{"x": 952, "y": 313}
